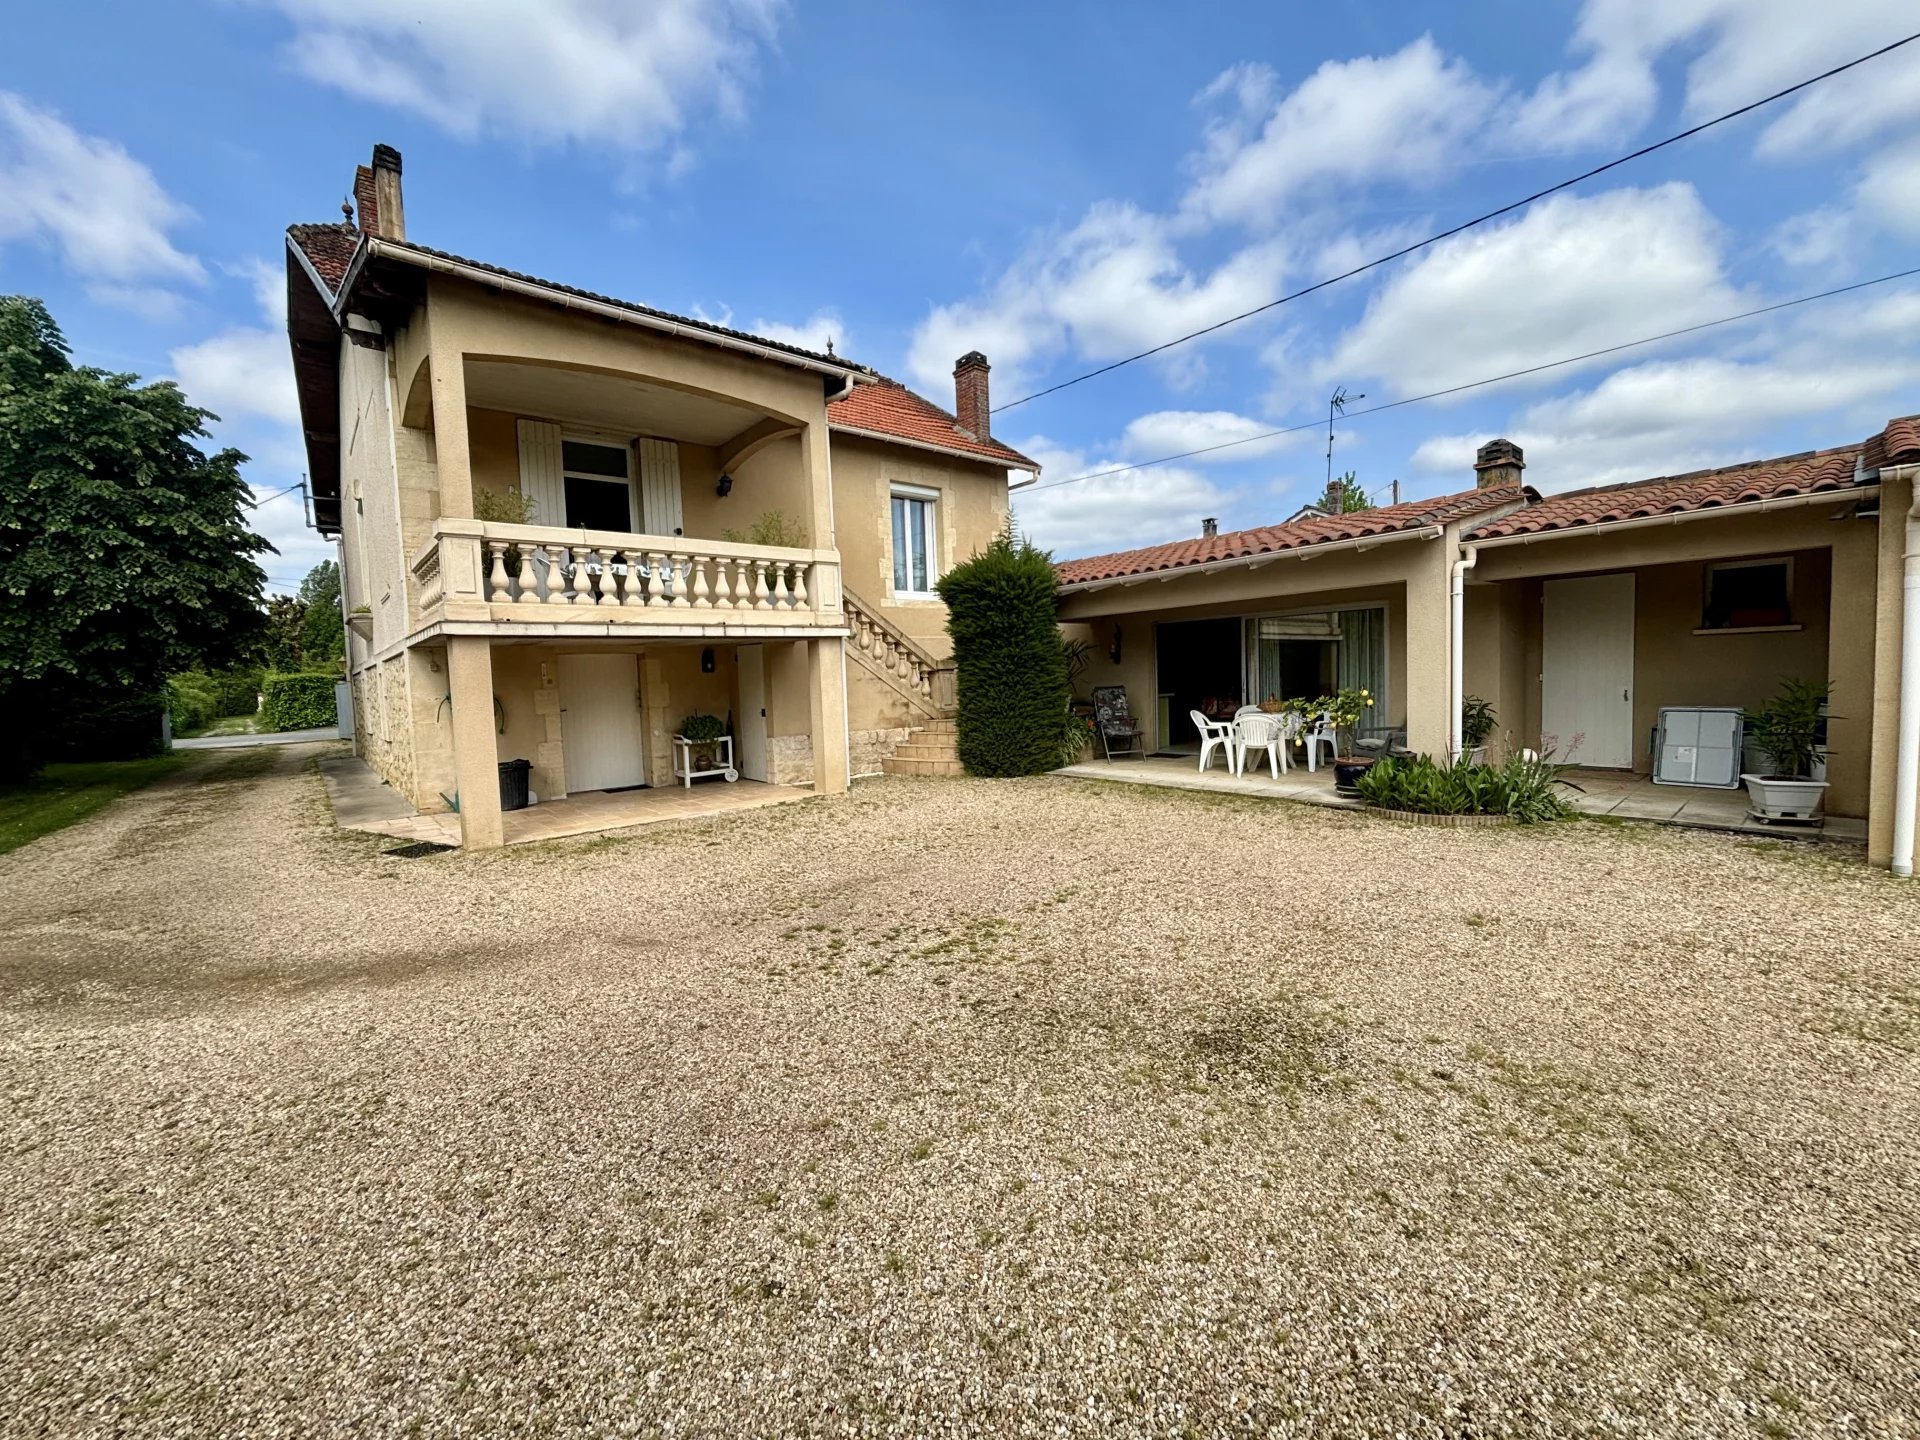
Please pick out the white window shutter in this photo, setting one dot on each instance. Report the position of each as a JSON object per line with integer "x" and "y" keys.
{"x": 540, "y": 478}
{"x": 659, "y": 487}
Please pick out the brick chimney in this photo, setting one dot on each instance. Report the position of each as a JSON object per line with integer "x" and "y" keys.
{"x": 1209, "y": 528}
{"x": 1499, "y": 462}
{"x": 376, "y": 195}
{"x": 970, "y": 403}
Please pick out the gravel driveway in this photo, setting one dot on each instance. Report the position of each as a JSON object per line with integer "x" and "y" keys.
{"x": 951, "y": 1107}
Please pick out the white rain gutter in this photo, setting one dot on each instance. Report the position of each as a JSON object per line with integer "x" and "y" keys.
{"x": 1906, "y": 775}
{"x": 1253, "y": 562}
{"x": 849, "y": 375}
{"x": 1468, "y": 557}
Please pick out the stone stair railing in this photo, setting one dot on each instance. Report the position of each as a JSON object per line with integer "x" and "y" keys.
{"x": 897, "y": 658}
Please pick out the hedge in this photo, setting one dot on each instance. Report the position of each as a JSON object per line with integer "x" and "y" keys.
{"x": 297, "y": 702}
{"x": 93, "y": 727}
{"x": 236, "y": 692}
{"x": 1011, "y": 670}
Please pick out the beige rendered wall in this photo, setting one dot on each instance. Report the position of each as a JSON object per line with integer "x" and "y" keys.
{"x": 970, "y": 511}
{"x": 1834, "y": 600}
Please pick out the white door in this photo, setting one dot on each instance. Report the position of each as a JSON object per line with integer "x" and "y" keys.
{"x": 601, "y": 725}
{"x": 1586, "y": 680}
{"x": 750, "y": 729}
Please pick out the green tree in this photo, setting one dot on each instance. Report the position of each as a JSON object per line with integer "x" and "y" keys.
{"x": 285, "y": 619}
{"x": 323, "y": 634}
{"x": 1011, "y": 668}
{"x": 124, "y": 549}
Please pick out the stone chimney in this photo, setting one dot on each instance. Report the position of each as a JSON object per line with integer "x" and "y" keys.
{"x": 1209, "y": 528}
{"x": 970, "y": 403}
{"x": 1499, "y": 463}
{"x": 376, "y": 195}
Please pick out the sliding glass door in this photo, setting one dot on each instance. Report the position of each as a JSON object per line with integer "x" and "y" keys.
{"x": 1294, "y": 657}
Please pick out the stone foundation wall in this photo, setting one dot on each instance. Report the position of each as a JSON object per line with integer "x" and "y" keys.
{"x": 383, "y": 723}
{"x": 790, "y": 759}
{"x": 870, "y": 747}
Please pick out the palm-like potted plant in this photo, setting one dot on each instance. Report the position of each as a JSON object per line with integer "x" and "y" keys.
{"x": 1476, "y": 724}
{"x": 1787, "y": 730}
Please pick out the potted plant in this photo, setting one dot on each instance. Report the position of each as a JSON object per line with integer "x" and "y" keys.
{"x": 703, "y": 732}
{"x": 1787, "y": 730}
{"x": 1476, "y": 724}
{"x": 1345, "y": 711}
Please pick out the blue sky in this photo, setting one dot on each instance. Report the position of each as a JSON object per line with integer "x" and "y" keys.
{"x": 1057, "y": 185}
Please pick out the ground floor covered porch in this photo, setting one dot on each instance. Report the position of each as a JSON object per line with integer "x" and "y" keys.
{"x": 457, "y": 727}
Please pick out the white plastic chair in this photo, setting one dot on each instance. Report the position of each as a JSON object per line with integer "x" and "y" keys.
{"x": 1257, "y": 730}
{"x": 1321, "y": 732}
{"x": 1215, "y": 734}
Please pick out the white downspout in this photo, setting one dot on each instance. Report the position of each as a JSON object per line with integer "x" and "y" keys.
{"x": 1906, "y": 780}
{"x": 1457, "y": 662}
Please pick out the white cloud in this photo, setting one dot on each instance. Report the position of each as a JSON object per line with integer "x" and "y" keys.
{"x": 239, "y": 372}
{"x": 631, "y": 76}
{"x": 812, "y": 333}
{"x": 1112, "y": 285}
{"x": 1403, "y": 117}
{"x": 1178, "y": 432}
{"x": 1665, "y": 417}
{"x": 1570, "y": 275}
{"x": 1116, "y": 512}
{"x": 1889, "y": 191}
{"x": 1819, "y": 239}
{"x": 1743, "y": 50}
{"x": 101, "y": 210}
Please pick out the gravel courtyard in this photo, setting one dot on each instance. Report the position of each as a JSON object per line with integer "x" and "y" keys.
{"x": 952, "y": 1108}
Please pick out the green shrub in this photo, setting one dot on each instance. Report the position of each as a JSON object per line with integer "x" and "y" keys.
{"x": 91, "y": 726}
{"x": 1528, "y": 790}
{"x": 193, "y": 700}
{"x": 236, "y": 691}
{"x": 1011, "y": 672}
{"x": 297, "y": 702}
{"x": 702, "y": 728}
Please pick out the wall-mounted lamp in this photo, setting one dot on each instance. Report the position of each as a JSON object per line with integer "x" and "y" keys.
{"x": 706, "y": 661}
{"x": 725, "y": 487}
{"x": 1113, "y": 647}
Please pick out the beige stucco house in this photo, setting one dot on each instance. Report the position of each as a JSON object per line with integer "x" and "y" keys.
{"x": 1578, "y": 615}
{"x": 566, "y": 522}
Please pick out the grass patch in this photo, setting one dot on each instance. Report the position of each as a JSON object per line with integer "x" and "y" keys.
{"x": 64, "y": 794}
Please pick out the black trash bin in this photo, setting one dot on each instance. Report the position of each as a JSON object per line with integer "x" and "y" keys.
{"x": 513, "y": 783}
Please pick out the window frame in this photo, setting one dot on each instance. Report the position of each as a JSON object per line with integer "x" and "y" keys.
{"x": 604, "y": 441}
{"x": 1712, "y": 568}
{"x": 929, "y": 539}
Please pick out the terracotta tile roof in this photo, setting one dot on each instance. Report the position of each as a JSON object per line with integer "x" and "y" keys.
{"x": 1809, "y": 473}
{"x": 1901, "y": 440}
{"x": 1291, "y": 535}
{"x": 889, "y": 408}
{"x": 328, "y": 248}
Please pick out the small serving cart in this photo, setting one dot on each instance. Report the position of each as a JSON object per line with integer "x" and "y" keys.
{"x": 721, "y": 748}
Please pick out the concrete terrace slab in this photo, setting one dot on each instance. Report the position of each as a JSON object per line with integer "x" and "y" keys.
{"x": 362, "y": 801}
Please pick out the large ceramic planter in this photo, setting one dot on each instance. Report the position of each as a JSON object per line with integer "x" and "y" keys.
{"x": 1778, "y": 798}
{"x": 1347, "y": 773}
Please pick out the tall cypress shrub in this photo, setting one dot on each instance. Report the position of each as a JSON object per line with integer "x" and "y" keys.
{"x": 1012, "y": 672}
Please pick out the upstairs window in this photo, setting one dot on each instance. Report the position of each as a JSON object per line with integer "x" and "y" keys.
{"x": 914, "y": 565}
{"x": 599, "y": 490}
{"x": 1748, "y": 595}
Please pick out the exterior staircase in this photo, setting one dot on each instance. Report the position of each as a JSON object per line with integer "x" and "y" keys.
{"x": 929, "y": 749}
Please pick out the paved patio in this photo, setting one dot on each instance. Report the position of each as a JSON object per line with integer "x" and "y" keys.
{"x": 1600, "y": 792}
{"x": 362, "y": 801}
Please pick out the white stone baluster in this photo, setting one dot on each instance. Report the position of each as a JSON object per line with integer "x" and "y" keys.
{"x": 556, "y": 574}
{"x": 799, "y": 587}
{"x": 722, "y": 592}
{"x": 497, "y": 588}
{"x": 760, "y": 600}
{"x": 582, "y": 580}
{"x": 702, "y": 592}
{"x": 678, "y": 570}
{"x": 634, "y": 591}
{"x": 742, "y": 586}
{"x": 656, "y": 587}
{"x": 606, "y": 592}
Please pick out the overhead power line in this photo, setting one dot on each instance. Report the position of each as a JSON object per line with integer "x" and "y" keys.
{"x": 1465, "y": 225}
{"x": 1482, "y": 384}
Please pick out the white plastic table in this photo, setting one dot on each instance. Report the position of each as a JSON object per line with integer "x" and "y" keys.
{"x": 722, "y": 748}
